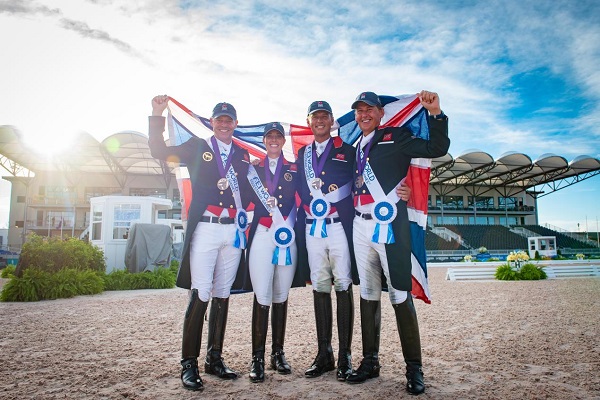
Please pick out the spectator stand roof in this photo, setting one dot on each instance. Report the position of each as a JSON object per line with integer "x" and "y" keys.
{"x": 122, "y": 154}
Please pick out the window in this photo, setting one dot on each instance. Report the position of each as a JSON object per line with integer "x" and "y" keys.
{"x": 65, "y": 193}
{"x": 508, "y": 202}
{"x": 160, "y": 193}
{"x": 451, "y": 220}
{"x": 60, "y": 219}
{"x": 481, "y": 202}
{"x": 481, "y": 220}
{"x": 511, "y": 221}
{"x": 453, "y": 202}
{"x": 101, "y": 191}
{"x": 124, "y": 215}
{"x": 97, "y": 222}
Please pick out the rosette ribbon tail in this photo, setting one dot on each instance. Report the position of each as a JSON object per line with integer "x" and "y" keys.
{"x": 240, "y": 240}
{"x": 282, "y": 256}
{"x": 318, "y": 227}
{"x": 383, "y": 233}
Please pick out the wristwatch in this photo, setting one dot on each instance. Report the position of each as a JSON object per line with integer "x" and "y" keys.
{"x": 441, "y": 116}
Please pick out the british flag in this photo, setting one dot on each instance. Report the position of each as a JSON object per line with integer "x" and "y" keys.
{"x": 403, "y": 110}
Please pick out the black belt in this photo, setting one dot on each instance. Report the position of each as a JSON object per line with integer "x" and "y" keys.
{"x": 327, "y": 220}
{"x": 218, "y": 220}
{"x": 363, "y": 215}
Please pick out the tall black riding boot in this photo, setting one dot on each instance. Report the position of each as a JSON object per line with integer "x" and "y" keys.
{"x": 260, "y": 324}
{"x": 345, "y": 323}
{"x": 408, "y": 328}
{"x": 370, "y": 321}
{"x": 278, "y": 324}
{"x": 190, "y": 344}
{"x": 217, "y": 322}
{"x": 323, "y": 315}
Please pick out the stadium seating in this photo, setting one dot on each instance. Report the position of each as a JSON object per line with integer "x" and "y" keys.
{"x": 493, "y": 237}
{"x": 434, "y": 242}
{"x": 562, "y": 241}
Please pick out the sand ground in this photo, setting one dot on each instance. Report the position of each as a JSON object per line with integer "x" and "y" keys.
{"x": 481, "y": 340}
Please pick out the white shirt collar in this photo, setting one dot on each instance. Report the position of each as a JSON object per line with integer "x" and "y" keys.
{"x": 366, "y": 139}
{"x": 223, "y": 146}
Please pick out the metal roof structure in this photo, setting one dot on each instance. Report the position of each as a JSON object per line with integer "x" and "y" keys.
{"x": 121, "y": 154}
{"x": 127, "y": 153}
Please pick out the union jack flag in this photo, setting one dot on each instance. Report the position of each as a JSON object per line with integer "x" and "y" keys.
{"x": 403, "y": 110}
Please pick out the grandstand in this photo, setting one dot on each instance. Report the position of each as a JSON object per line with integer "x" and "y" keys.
{"x": 436, "y": 242}
{"x": 492, "y": 237}
{"x": 562, "y": 240}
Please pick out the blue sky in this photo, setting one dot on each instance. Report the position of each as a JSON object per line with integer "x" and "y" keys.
{"x": 512, "y": 75}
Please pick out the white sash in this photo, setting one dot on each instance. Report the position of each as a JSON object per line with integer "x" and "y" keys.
{"x": 320, "y": 206}
{"x": 282, "y": 230}
{"x": 384, "y": 209}
{"x": 241, "y": 217}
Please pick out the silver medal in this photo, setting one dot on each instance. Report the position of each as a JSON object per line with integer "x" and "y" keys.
{"x": 222, "y": 184}
{"x": 316, "y": 183}
{"x": 272, "y": 202}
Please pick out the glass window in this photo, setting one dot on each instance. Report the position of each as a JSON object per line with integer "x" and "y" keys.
{"x": 511, "y": 221}
{"x": 59, "y": 192}
{"x": 509, "y": 202}
{"x": 124, "y": 215}
{"x": 101, "y": 191}
{"x": 160, "y": 193}
{"x": 481, "y": 220}
{"x": 61, "y": 219}
{"x": 450, "y": 220}
{"x": 481, "y": 202}
{"x": 453, "y": 202}
{"x": 97, "y": 222}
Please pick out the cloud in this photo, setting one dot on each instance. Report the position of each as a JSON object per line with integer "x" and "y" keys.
{"x": 25, "y": 8}
{"x": 85, "y": 31}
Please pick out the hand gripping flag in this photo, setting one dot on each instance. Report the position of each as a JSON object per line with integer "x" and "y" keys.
{"x": 404, "y": 110}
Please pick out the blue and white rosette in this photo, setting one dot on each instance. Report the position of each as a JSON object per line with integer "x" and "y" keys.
{"x": 384, "y": 212}
{"x": 319, "y": 209}
{"x": 283, "y": 237}
{"x": 319, "y": 206}
{"x": 384, "y": 209}
{"x": 241, "y": 218}
{"x": 241, "y": 223}
{"x": 282, "y": 233}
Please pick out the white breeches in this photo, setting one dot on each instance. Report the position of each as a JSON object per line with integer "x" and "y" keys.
{"x": 371, "y": 260}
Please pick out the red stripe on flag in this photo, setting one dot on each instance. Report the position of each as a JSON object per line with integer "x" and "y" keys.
{"x": 399, "y": 118}
{"x": 418, "y": 292}
{"x": 184, "y": 108}
{"x": 418, "y": 181}
{"x": 252, "y": 149}
{"x": 301, "y": 136}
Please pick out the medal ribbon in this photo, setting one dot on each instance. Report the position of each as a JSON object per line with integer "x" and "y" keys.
{"x": 272, "y": 179}
{"x": 222, "y": 168}
{"x": 281, "y": 254}
{"x": 361, "y": 156}
{"x": 320, "y": 162}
